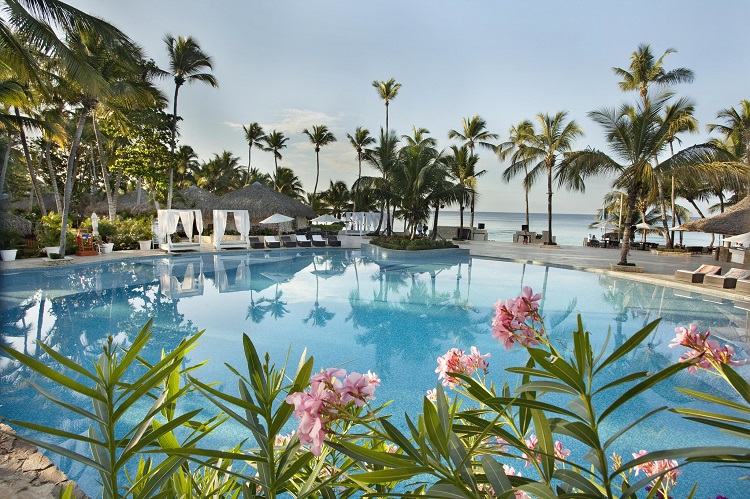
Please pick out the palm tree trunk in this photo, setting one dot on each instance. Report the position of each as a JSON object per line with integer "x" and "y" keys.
{"x": 359, "y": 176}
{"x": 461, "y": 209}
{"x": 6, "y": 160}
{"x": 52, "y": 176}
{"x": 276, "y": 172}
{"x": 630, "y": 211}
{"x": 433, "y": 236}
{"x": 386, "y": 117}
{"x": 70, "y": 178}
{"x": 663, "y": 205}
{"x": 109, "y": 191}
{"x": 32, "y": 173}
{"x": 173, "y": 146}
{"x": 317, "y": 175}
{"x": 249, "y": 157}
{"x": 549, "y": 205}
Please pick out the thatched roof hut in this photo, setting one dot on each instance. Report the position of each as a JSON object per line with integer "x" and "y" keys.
{"x": 194, "y": 197}
{"x": 734, "y": 221}
{"x": 130, "y": 201}
{"x": 9, "y": 221}
{"x": 262, "y": 202}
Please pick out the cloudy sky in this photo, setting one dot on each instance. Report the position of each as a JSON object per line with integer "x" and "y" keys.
{"x": 292, "y": 64}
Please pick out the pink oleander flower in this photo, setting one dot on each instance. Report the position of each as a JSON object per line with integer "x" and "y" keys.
{"x": 320, "y": 406}
{"x": 515, "y": 318}
{"x": 432, "y": 395}
{"x": 531, "y": 443}
{"x": 561, "y": 453}
{"x": 282, "y": 440}
{"x": 651, "y": 468}
{"x": 709, "y": 352}
{"x": 456, "y": 361}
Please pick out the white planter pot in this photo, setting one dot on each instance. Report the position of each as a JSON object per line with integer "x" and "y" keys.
{"x": 108, "y": 247}
{"x": 8, "y": 255}
{"x": 145, "y": 245}
{"x": 51, "y": 249}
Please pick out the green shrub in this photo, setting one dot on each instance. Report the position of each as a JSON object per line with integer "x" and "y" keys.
{"x": 10, "y": 239}
{"x": 48, "y": 233}
{"x": 404, "y": 243}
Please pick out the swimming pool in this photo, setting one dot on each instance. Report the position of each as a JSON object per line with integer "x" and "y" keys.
{"x": 392, "y": 317}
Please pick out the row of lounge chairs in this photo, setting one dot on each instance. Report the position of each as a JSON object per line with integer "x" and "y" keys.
{"x": 710, "y": 275}
{"x": 292, "y": 241}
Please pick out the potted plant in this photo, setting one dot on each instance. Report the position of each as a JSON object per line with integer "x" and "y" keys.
{"x": 141, "y": 232}
{"x": 9, "y": 242}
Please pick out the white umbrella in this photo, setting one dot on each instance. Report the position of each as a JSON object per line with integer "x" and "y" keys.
{"x": 94, "y": 224}
{"x": 742, "y": 238}
{"x": 645, "y": 228}
{"x": 277, "y": 218}
{"x": 325, "y": 219}
{"x": 606, "y": 225}
{"x": 679, "y": 228}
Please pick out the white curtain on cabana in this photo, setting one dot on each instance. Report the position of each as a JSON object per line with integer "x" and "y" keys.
{"x": 168, "y": 220}
{"x": 241, "y": 222}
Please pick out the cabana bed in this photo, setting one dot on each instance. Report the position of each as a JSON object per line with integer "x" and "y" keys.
{"x": 168, "y": 220}
{"x": 241, "y": 222}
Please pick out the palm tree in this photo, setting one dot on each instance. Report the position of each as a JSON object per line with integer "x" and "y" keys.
{"x": 554, "y": 139}
{"x": 253, "y": 135}
{"x": 360, "y": 141}
{"x": 461, "y": 167}
{"x": 286, "y": 182}
{"x": 186, "y": 162}
{"x": 516, "y": 144}
{"x": 219, "y": 175}
{"x": 274, "y": 142}
{"x": 645, "y": 71}
{"x": 418, "y": 166}
{"x": 187, "y": 63}
{"x": 319, "y": 137}
{"x": 384, "y": 158}
{"x": 474, "y": 134}
{"x": 736, "y": 128}
{"x": 337, "y": 197}
{"x": 387, "y": 90}
{"x": 636, "y": 134}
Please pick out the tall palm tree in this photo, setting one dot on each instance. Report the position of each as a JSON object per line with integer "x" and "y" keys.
{"x": 736, "y": 127}
{"x": 220, "y": 174}
{"x": 319, "y": 136}
{"x": 461, "y": 166}
{"x": 275, "y": 142}
{"x": 384, "y": 158}
{"x": 287, "y": 182}
{"x": 187, "y": 63}
{"x": 337, "y": 197}
{"x": 474, "y": 134}
{"x": 253, "y": 135}
{"x": 419, "y": 164}
{"x": 186, "y": 163}
{"x": 387, "y": 90}
{"x": 554, "y": 139}
{"x": 645, "y": 70}
{"x": 636, "y": 134}
{"x": 360, "y": 141}
{"x": 518, "y": 135}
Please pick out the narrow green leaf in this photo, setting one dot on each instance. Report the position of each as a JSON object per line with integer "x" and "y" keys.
{"x": 575, "y": 429}
{"x": 539, "y": 490}
{"x": 448, "y": 491}
{"x": 368, "y": 455}
{"x": 578, "y": 481}
{"x": 627, "y": 427}
{"x": 560, "y": 368}
{"x": 459, "y": 457}
{"x": 442, "y": 406}
{"x": 629, "y": 345}
{"x": 254, "y": 366}
{"x": 393, "y": 475}
{"x": 545, "y": 444}
{"x": 581, "y": 348}
{"x": 620, "y": 381}
{"x": 399, "y": 439}
{"x": 738, "y": 383}
{"x": 715, "y": 400}
{"x": 65, "y": 405}
{"x": 546, "y": 386}
{"x": 495, "y": 475}
{"x": 641, "y": 387}
{"x": 66, "y": 362}
{"x": 530, "y": 372}
{"x": 152, "y": 437}
{"x": 139, "y": 342}
{"x": 435, "y": 433}
{"x": 295, "y": 466}
{"x": 158, "y": 477}
{"x": 52, "y": 447}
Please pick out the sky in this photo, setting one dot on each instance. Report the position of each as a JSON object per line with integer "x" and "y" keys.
{"x": 292, "y": 64}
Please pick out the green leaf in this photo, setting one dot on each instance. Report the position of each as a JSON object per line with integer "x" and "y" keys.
{"x": 461, "y": 461}
{"x": 495, "y": 475}
{"x": 71, "y": 407}
{"x": 641, "y": 387}
{"x": 539, "y": 490}
{"x": 627, "y": 427}
{"x": 435, "y": 433}
{"x": 625, "y": 379}
{"x": 582, "y": 348}
{"x": 580, "y": 431}
{"x": 714, "y": 399}
{"x": 545, "y": 444}
{"x": 399, "y": 439}
{"x": 629, "y": 345}
{"x": 448, "y": 491}
{"x": 131, "y": 353}
{"x": 153, "y": 436}
{"x": 65, "y": 361}
{"x": 560, "y": 368}
{"x": 530, "y": 372}
{"x": 578, "y": 481}
{"x": 254, "y": 366}
{"x": 738, "y": 383}
{"x": 368, "y": 455}
{"x": 392, "y": 475}
{"x": 546, "y": 386}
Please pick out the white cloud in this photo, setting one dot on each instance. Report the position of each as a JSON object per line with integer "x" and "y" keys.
{"x": 293, "y": 121}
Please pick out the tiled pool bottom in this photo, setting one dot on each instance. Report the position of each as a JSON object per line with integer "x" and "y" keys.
{"x": 389, "y": 316}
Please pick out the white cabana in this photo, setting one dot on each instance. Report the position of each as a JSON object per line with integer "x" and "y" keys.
{"x": 232, "y": 272}
{"x": 181, "y": 277}
{"x": 241, "y": 222}
{"x": 168, "y": 221}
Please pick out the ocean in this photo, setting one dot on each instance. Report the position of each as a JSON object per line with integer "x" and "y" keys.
{"x": 568, "y": 229}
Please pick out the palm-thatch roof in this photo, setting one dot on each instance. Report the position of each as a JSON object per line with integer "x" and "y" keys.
{"x": 23, "y": 204}
{"x": 125, "y": 202}
{"x": 734, "y": 221}
{"x": 194, "y": 197}
{"x": 9, "y": 221}
{"x": 262, "y": 202}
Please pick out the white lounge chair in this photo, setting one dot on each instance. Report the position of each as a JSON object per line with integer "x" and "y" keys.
{"x": 303, "y": 241}
{"x": 272, "y": 242}
{"x": 697, "y": 275}
{"x": 728, "y": 280}
{"x": 318, "y": 240}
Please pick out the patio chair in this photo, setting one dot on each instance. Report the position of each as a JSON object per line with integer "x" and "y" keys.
{"x": 334, "y": 241}
{"x": 697, "y": 275}
{"x": 318, "y": 241}
{"x": 256, "y": 243}
{"x": 272, "y": 242}
{"x": 288, "y": 241}
{"x": 728, "y": 280}
{"x": 303, "y": 241}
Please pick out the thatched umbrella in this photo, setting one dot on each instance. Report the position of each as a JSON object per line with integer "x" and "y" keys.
{"x": 9, "y": 221}
{"x": 262, "y": 202}
{"x": 734, "y": 221}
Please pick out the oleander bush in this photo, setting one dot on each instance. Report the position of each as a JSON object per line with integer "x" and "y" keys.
{"x": 466, "y": 444}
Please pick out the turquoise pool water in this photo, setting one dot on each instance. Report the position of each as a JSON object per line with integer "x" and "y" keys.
{"x": 392, "y": 317}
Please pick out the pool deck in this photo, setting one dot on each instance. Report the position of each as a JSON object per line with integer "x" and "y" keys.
{"x": 657, "y": 269}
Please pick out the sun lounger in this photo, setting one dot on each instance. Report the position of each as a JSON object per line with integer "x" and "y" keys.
{"x": 303, "y": 241}
{"x": 743, "y": 286}
{"x": 697, "y": 275}
{"x": 272, "y": 242}
{"x": 318, "y": 240}
{"x": 256, "y": 243}
{"x": 288, "y": 241}
{"x": 334, "y": 241}
{"x": 727, "y": 281}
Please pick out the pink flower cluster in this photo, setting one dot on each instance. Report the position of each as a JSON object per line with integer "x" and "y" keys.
{"x": 560, "y": 453}
{"x": 651, "y": 468}
{"x": 456, "y": 361}
{"x": 708, "y": 351}
{"x": 330, "y": 391}
{"x": 510, "y": 471}
{"x": 514, "y": 320}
